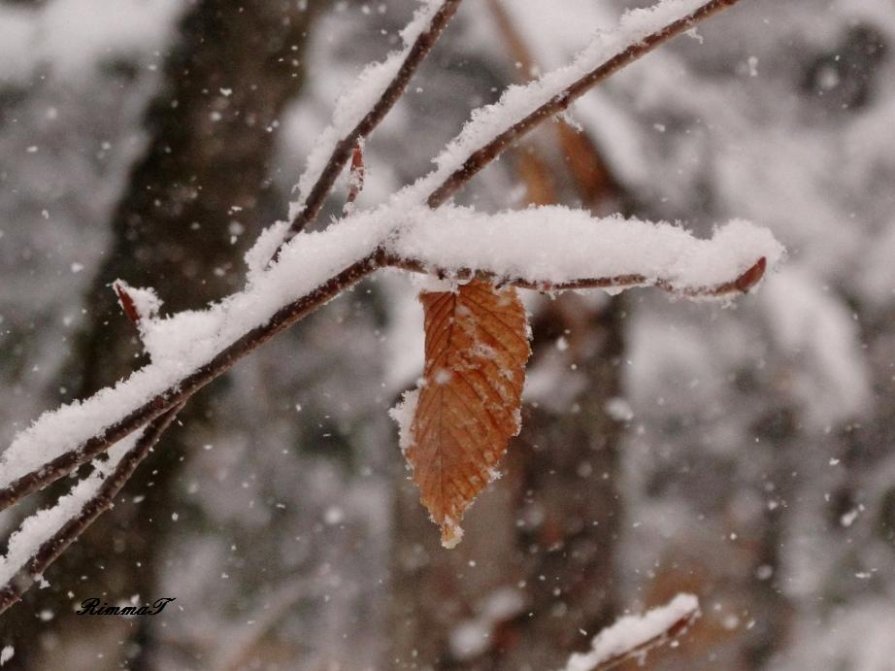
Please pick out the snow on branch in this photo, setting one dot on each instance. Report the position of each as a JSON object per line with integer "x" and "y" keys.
{"x": 363, "y": 107}
{"x": 62, "y": 440}
{"x": 43, "y": 536}
{"x": 634, "y": 635}
{"x": 543, "y": 248}
{"x": 556, "y": 248}
{"x": 523, "y": 107}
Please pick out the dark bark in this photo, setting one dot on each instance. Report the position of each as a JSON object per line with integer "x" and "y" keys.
{"x": 207, "y": 169}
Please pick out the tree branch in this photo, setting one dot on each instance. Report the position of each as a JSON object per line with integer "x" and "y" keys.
{"x": 342, "y": 152}
{"x": 181, "y": 390}
{"x": 103, "y": 500}
{"x": 483, "y": 156}
{"x": 633, "y": 636}
{"x": 548, "y": 248}
{"x": 740, "y": 285}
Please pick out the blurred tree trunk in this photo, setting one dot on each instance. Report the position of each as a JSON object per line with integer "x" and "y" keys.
{"x": 178, "y": 229}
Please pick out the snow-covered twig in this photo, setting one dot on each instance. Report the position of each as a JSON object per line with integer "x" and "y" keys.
{"x": 77, "y": 433}
{"x": 554, "y": 248}
{"x": 523, "y": 108}
{"x": 45, "y": 535}
{"x": 633, "y": 636}
{"x": 741, "y": 284}
{"x": 391, "y": 77}
{"x": 543, "y": 248}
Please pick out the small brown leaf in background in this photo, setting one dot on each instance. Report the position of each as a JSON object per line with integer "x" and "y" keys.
{"x": 469, "y": 402}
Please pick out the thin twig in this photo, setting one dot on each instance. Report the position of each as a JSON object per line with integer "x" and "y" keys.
{"x": 287, "y": 316}
{"x": 103, "y": 500}
{"x": 740, "y": 285}
{"x": 179, "y": 392}
{"x": 594, "y": 181}
{"x": 393, "y": 92}
{"x": 483, "y": 156}
{"x": 677, "y": 629}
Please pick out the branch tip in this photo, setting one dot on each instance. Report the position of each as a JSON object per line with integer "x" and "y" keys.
{"x": 126, "y": 301}
{"x": 749, "y": 279}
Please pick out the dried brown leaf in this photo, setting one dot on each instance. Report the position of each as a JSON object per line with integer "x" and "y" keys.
{"x": 469, "y": 402}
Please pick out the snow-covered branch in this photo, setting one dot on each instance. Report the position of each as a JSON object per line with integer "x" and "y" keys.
{"x": 556, "y": 248}
{"x": 62, "y": 440}
{"x": 524, "y": 107}
{"x": 546, "y": 249}
{"x": 634, "y": 635}
{"x": 549, "y": 248}
{"x": 355, "y": 117}
{"x": 46, "y": 534}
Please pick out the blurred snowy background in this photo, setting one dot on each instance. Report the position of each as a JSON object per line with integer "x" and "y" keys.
{"x": 741, "y": 453}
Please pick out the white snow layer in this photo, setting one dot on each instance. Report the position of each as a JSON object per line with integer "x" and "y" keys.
{"x": 354, "y": 104}
{"x": 555, "y": 244}
{"x": 633, "y": 631}
{"x": 519, "y": 101}
{"x": 548, "y": 245}
{"x": 42, "y": 525}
